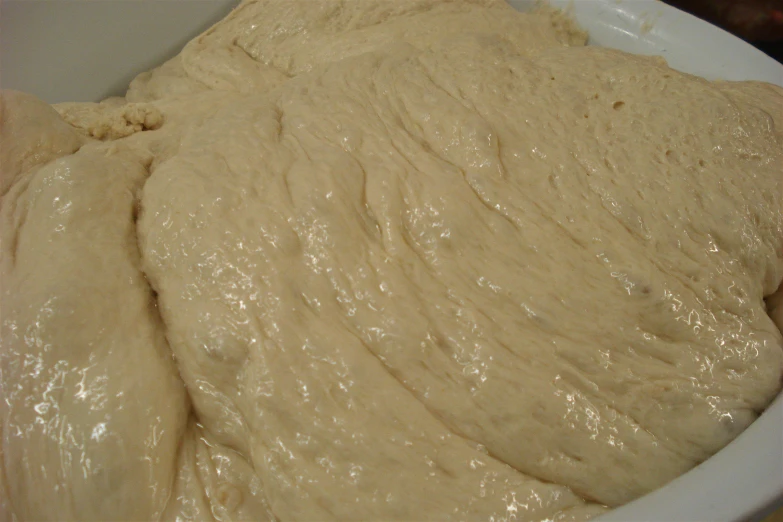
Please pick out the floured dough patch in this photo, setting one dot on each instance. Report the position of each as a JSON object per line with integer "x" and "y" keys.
{"x": 110, "y": 121}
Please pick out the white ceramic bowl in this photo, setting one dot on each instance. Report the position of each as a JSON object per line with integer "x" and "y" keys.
{"x": 84, "y": 50}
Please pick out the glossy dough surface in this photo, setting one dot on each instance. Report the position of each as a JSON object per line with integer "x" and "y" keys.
{"x": 379, "y": 260}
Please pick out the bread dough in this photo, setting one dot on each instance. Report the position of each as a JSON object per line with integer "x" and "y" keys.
{"x": 111, "y": 119}
{"x": 31, "y": 134}
{"x": 387, "y": 260}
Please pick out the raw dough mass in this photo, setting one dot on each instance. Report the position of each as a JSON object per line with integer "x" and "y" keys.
{"x": 375, "y": 260}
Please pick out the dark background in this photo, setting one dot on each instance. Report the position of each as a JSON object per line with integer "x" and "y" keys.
{"x": 759, "y": 22}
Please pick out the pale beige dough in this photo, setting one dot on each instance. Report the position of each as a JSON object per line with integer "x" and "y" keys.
{"x": 387, "y": 261}
{"x": 31, "y": 135}
{"x": 93, "y": 409}
{"x": 111, "y": 121}
{"x": 262, "y": 43}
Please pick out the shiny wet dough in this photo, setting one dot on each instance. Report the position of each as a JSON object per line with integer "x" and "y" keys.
{"x": 387, "y": 260}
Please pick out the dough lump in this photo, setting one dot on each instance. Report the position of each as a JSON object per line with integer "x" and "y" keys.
{"x": 379, "y": 260}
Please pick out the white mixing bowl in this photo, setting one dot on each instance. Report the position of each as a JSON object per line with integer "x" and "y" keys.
{"x": 84, "y": 50}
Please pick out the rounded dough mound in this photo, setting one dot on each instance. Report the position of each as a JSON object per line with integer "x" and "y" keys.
{"x": 532, "y": 249}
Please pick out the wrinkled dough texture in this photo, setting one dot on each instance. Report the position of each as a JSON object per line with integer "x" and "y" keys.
{"x": 385, "y": 260}
{"x": 263, "y": 43}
